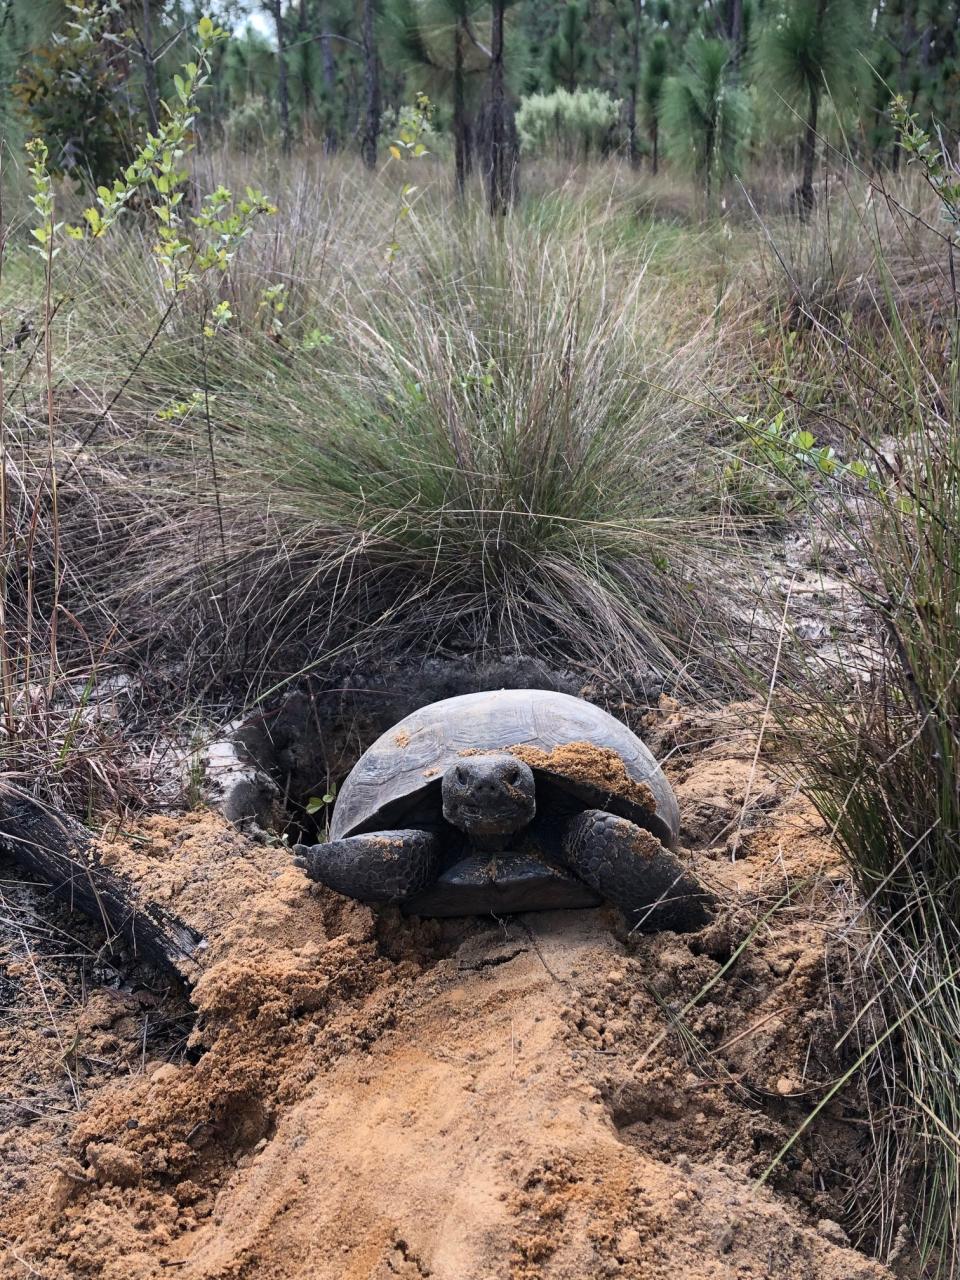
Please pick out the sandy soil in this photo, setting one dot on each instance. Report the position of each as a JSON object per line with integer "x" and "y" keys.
{"x": 363, "y": 1096}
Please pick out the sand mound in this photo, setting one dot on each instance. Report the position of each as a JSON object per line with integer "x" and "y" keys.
{"x": 367, "y": 1096}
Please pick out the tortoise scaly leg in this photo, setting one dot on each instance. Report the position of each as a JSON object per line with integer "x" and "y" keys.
{"x": 384, "y": 866}
{"x": 630, "y": 868}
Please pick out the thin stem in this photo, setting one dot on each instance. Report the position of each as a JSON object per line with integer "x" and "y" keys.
{"x": 102, "y": 417}
{"x": 6, "y": 674}
{"x": 54, "y": 506}
{"x": 209, "y": 425}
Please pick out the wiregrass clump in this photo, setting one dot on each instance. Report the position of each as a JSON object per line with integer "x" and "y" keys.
{"x": 877, "y": 745}
{"x": 486, "y": 444}
{"x": 882, "y": 763}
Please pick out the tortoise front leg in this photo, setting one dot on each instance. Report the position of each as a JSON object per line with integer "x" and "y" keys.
{"x": 630, "y": 867}
{"x": 384, "y": 866}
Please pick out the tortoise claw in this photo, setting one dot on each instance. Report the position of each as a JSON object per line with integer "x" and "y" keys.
{"x": 384, "y": 866}
{"x": 305, "y": 857}
{"x": 629, "y": 867}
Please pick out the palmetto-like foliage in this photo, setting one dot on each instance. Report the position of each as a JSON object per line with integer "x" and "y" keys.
{"x": 568, "y": 56}
{"x": 805, "y": 49}
{"x": 651, "y": 92}
{"x": 704, "y": 111}
{"x": 248, "y": 69}
{"x": 438, "y": 40}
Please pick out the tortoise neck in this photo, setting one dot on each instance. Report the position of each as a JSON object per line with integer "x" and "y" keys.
{"x": 489, "y": 843}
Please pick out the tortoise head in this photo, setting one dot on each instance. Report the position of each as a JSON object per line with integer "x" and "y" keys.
{"x": 489, "y": 795}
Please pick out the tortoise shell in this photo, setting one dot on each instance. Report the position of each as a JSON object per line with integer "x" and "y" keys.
{"x": 564, "y": 739}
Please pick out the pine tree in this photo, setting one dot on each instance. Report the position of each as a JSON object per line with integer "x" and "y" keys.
{"x": 568, "y": 58}
{"x": 808, "y": 48}
{"x": 500, "y": 127}
{"x": 437, "y": 39}
{"x": 704, "y": 111}
{"x": 629, "y": 14}
{"x": 651, "y": 89}
{"x": 283, "y": 92}
{"x": 371, "y": 81}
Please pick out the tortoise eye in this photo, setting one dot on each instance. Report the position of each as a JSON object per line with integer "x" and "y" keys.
{"x": 513, "y": 776}
{"x": 461, "y": 775}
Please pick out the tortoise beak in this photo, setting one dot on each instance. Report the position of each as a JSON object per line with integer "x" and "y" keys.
{"x": 489, "y": 795}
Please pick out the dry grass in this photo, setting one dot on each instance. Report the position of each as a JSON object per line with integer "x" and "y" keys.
{"x": 876, "y": 738}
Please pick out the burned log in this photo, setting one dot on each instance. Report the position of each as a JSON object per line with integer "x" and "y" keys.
{"x": 59, "y": 851}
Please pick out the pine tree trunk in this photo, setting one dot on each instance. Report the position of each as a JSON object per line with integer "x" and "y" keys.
{"x": 926, "y": 44}
{"x": 331, "y": 141}
{"x": 735, "y": 31}
{"x": 469, "y": 144}
{"x": 283, "y": 93}
{"x": 632, "y": 128}
{"x": 459, "y": 110}
{"x": 306, "y": 61}
{"x": 634, "y": 85}
{"x": 805, "y": 193}
{"x": 371, "y": 77}
{"x": 708, "y": 167}
{"x": 498, "y": 188}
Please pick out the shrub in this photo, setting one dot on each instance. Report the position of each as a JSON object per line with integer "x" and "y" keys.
{"x": 71, "y": 91}
{"x": 251, "y": 125}
{"x": 569, "y": 126}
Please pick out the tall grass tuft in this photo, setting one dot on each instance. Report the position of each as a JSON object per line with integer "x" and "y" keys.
{"x": 884, "y": 770}
{"x": 878, "y": 739}
{"x": 497, "y": 443}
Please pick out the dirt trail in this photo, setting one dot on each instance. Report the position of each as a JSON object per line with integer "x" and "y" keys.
{"x": 370, "y": 1097}
{"x": 477, "y": 1143}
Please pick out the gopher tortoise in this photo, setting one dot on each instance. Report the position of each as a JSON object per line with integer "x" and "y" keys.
{"x": 516, "y": 800}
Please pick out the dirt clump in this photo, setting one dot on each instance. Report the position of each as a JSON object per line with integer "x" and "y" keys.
{"x": 363, "y": 1097}
{"x": 599, "y": 768}
{"x": 644, "y": 844}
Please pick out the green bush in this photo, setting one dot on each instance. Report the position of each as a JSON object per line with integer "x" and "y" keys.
{"x": 251, "y": 125}
{"x": 72, "y": 92}
{"x": 568, "y": 126}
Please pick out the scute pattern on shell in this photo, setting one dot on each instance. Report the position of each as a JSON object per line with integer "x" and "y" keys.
{"x": 404, "y": 765}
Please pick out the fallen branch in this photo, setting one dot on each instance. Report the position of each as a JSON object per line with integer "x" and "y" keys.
{"x": 58, "y": 850}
